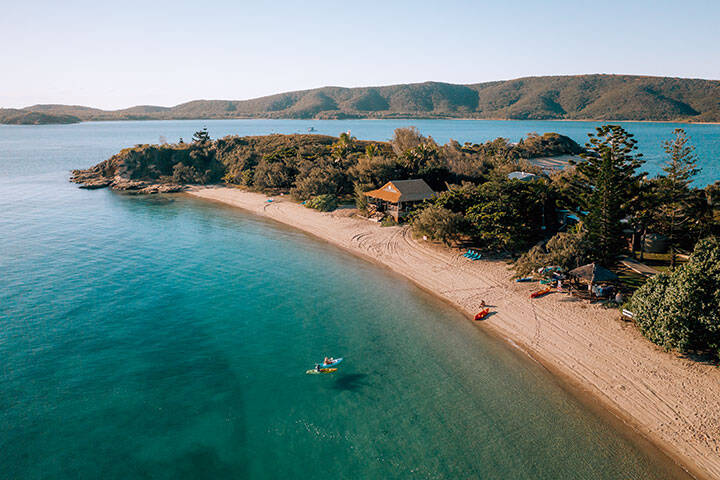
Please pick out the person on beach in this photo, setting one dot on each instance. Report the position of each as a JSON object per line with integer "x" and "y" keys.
{"x": 482, "y": 303}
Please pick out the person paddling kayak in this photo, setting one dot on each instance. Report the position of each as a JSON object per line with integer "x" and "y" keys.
{"x": 331, "y": 361}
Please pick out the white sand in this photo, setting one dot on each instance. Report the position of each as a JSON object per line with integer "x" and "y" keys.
{"x": 673, "y": 401}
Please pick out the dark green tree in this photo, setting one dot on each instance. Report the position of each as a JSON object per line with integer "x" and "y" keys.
{"x": 372, "y": 150}
{"x": 680, "y": 309}
{"x": 201, "y": 136}
{"x": 704, "y": 211}
{"x": 606, "y": 185}
{"x": 438, "y": 223}
{"x": 644, "y": 214}
{"x": 344, "y": 145}
{"x": 674, "y": 189}
{"x": 508, "y": 214}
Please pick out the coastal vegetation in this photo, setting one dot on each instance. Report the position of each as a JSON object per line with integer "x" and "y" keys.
{"x": 491, "y": 196}
{"x": 323, "y": 203}
{"x": 680, "y": 309}
{"x": 586, "y": 97}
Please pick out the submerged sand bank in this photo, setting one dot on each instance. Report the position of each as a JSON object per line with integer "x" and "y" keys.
{"x": 673, "y": 401}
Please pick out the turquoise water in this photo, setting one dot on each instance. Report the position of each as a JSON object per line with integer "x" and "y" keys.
{"x": 166, "y": 337}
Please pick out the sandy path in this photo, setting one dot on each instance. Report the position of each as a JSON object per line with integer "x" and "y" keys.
{"x": 671, "y": 400}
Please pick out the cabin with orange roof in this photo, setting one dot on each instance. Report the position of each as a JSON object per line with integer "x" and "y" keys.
{"x": 398, "y": 197}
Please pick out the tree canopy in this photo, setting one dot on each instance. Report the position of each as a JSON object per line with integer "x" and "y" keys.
{"x": 680, "y": 309}
{"x": 607, "y": 182}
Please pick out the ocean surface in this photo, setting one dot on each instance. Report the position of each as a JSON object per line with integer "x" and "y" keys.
{"x": 165, "y": 337}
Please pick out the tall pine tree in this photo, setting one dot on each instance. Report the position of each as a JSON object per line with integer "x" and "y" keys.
{"x": 201, "y": 136}
{"x": 674, "y": 189}
{"x": 606, "y": 184}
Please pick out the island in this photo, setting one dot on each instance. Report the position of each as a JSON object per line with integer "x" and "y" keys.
{"x": 542, "y": 242}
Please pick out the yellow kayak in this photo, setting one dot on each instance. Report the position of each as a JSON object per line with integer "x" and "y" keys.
{"x": 322, "y": 370}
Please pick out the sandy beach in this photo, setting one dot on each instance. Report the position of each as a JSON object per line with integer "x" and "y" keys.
{"x": 672, "y": 401}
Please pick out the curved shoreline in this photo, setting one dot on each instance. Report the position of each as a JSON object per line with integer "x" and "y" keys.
{"x": 671, "y": 401}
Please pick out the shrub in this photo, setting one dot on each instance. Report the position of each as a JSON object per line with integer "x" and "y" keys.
{"x": 508, "y": 214}
{"x": 439, "y": 223}
{"x": 405, "y": 139}
{"x": 314, "y": 180}
{"x": 361, "y": 201}
{"x": 566, "y": 249}
{"x": 184, "y": 174}
{"x": 271, "y": 174}
{"x": 324, "y": 203}
{"x": 680, "y": 309}
{"x": 388, "y": 221}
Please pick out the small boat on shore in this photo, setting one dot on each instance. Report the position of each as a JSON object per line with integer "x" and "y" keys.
{"x": 540, "y": 293}
{"x": 482, "y": 314}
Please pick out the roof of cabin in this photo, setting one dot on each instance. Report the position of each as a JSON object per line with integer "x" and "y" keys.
{"x": 396, "y": 191}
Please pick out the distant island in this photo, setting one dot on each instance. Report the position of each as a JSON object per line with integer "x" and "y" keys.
{"x": 579, "y": 97}
{"x": 11, "y": 116}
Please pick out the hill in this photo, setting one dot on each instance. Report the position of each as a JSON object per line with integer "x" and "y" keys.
{"x": 11, "y": 116}
{"x": 581, "y": 97}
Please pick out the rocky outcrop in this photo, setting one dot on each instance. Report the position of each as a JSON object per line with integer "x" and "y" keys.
{"x": 147, "y": 169}
{"x": 90, "y": 179}
{"x": 162, "y": 188}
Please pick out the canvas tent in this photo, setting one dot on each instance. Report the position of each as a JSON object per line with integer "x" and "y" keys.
{"x": 593, "y": 273}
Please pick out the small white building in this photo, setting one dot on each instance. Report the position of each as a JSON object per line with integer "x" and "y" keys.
{"x": 522, "y": 176}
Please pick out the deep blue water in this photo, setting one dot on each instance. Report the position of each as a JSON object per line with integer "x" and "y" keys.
{"x": 166, "y": 337}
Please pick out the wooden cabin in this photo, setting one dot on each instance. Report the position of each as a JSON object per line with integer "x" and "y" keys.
{"x": 397, "y": 197}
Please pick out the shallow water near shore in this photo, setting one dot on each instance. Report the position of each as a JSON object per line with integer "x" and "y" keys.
{"x": 166, "y": 337}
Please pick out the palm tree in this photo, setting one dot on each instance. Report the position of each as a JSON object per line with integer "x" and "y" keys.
{"x": 344, "y": 145}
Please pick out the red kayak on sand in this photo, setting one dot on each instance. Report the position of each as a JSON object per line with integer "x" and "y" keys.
{"x": 540, "y": 293}
{"x": 482, "y": 314}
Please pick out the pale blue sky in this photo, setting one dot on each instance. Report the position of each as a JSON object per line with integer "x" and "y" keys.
{"x": 114, "y": 55}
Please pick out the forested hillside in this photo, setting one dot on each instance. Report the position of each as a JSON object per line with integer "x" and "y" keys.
{"x": 590, "y": 97}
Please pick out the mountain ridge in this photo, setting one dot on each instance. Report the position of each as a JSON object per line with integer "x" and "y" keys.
{"x": 602, "y": 97}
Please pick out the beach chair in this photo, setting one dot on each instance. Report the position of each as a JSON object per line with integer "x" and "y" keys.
{"x": 473, "y": 255}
